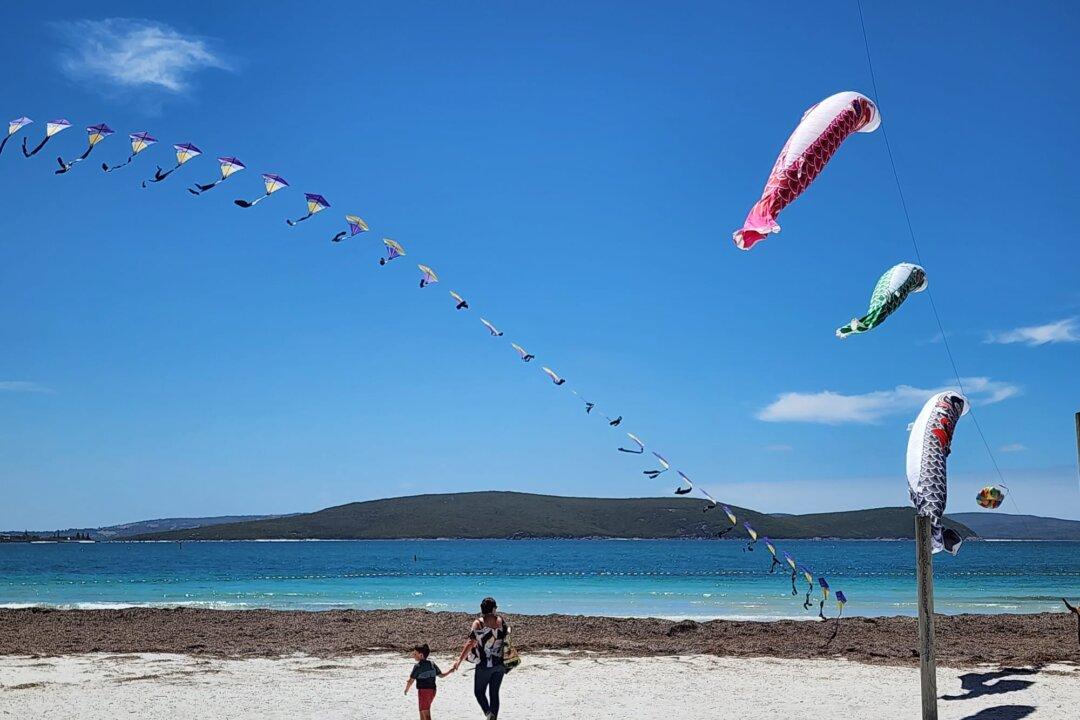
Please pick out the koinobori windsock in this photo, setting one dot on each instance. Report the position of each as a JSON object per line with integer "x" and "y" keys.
{"x": 929, "y": 444}
{"x": 891, "y": 291}
{"x": 813, "y": 143}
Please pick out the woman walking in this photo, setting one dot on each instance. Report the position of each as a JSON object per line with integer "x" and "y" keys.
{"x": 485, "y": 646}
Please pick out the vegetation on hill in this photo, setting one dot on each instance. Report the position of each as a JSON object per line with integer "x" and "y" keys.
{"x": 521, "y": 515}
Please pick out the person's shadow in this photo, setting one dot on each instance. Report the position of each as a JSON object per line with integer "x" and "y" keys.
{"x": 979, "y": 684}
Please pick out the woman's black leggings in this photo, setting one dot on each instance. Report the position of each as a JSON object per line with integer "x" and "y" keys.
{"x": 484, "y": 679}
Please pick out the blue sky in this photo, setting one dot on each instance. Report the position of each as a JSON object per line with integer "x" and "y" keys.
{"x": 575, "y": 170}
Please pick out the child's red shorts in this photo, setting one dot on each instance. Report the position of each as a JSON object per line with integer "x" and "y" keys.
{"x": 426, "y": 697}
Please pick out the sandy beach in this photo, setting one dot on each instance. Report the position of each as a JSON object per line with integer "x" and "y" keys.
{"x": 352, "y": 664}
{"x": 548, "y": 685}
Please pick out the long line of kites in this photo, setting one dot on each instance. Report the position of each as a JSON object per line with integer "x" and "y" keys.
{"x": 811, "y": 145}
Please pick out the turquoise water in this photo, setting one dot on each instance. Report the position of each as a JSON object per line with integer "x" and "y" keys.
{"x": 660, "y": 578}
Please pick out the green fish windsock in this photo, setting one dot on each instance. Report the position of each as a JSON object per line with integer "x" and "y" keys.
{"x": 890, "y": 293}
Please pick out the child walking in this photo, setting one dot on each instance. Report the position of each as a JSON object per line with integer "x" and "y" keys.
{"x": 423, "y": 674}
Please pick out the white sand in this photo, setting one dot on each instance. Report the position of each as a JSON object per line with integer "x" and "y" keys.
{"x": 547, "y": 686}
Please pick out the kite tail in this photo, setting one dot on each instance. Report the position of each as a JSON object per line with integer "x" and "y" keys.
{"x": 298, "y": 220}
{"x": 64, "y": 167}
{"x": 159, "y": 176}
{"x": 821, "y": 610}
{"x": 4, "y": 142}
{"x": 246, "y": 203}
{"x": 34, "y": 152}
{"x": 806, "y": 601}
{"x": 855, "y": 326}
{"x": 759, "y": 224}
{"x": 339, "y": 237}
{"x": 106, "y": 168}
{"x": 202, "y": 188}
{"x": 772, "y": 568}
{"x": 722, "y": 533}
{"x": 794, "y": 590}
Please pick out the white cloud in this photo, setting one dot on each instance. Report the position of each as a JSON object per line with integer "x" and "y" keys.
{"x": 23, "y": 386}
{"x": 832, "y": 408}
{"x": 1013, "y": 447}
{"x": 132, "y": 53}
{"x": 1062, "y": 331}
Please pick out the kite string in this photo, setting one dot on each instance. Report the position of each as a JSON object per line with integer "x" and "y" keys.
{"x": 918, "y": 255}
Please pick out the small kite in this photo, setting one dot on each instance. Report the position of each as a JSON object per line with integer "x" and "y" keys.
{"x": 525, "y": 355}
{"x": 712, "y": 502}
{"x": 809, "y": 576}
{"x": 315, "y": 204}
{"x": 641, "y": 446}
{"x": 273, "y": 183}
{"x": 991, "y": 496}
{"x": 428, "y": 276}
{"x": 731, "y": 518}
{"x": 891, "y": 291}
{"x": 229, "y": 165}
{"x": 824, "y": 596}
{"x": 753, "y": 536}
{"x": 841, "y": 601}
{"x": 813, "y": 143}
{"x": 393, "y": 250}
{"x": 772, "y": 551}
{"x": 139, "y": 142}
{"x": 686, "y": 486}
{"x": 664, "y": 467}
{"x": 794, "y": 573}
{"x": 460, "y": 302}
{"x": 13, "y": 127}
{"x": 547, "y": 371}
{"x": 929, "y": 444}
{"x": 94, "y": 135}
{"x": 51, "y": 128}
{"x": 184, "y": 152}
{"x": 495, "y": 332}
{"x": 356, "y": 226}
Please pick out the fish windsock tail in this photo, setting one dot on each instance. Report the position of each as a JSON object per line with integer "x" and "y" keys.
{"x": 851, "y": 328}
{"x": 946, "y": 539}
{"x": 759, "y": 224}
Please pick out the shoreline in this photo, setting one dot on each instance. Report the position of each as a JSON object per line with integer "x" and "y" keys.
{"x": 963, "y": 640}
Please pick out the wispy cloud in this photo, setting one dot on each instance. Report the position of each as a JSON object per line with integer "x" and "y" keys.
{"x": 832, "y": 408}
{"x": 133, "y": 53}
{"x": 23, "y": 386}
{"x": 1062, "y": 331}
{"x": 1012, "y": 447}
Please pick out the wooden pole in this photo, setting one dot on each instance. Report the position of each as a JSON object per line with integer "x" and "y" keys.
{"x": 924, "y": 573}
{"x": 1078, "y": 440}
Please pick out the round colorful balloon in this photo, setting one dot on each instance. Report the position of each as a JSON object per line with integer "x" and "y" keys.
{"x": 990, "y": 497}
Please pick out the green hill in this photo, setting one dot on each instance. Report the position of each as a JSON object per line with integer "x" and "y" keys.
{"x": 999, "y": 526}
{"x": 521, "y": 515}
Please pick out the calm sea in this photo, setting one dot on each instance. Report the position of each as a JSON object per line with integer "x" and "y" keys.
{"x": 660, "y": 578}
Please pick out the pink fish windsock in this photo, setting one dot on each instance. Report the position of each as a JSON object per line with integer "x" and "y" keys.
{"x": 816, "y": 139}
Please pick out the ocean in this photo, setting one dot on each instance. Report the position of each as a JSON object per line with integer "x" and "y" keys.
{"x": 696, "y": 579}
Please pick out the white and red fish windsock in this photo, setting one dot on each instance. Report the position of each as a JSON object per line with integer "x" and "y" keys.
{"x": 928, "y": 449}
{"x": 813, "y": 143}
